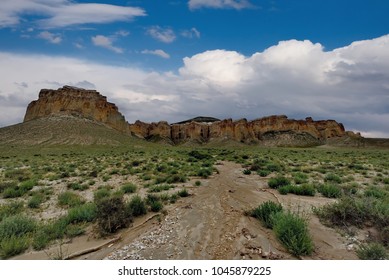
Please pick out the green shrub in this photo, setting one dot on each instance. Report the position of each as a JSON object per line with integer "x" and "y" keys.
{"x": 160, "y": 188}
{"x": 347, "y": 211}
{"x": 17, "y": 225}
{"x": 375, "y": 192}
{"x": 77, "y": 186}
{"x": 150, "y": 198}
{"x": 70, "y": 199}
{"x": 277, "y": 182}
{"x": 137, "y": 206}
{"x": 284, "y": 190}
{"x": 372, "y": 251}
{"x": 330, "y": 191}
{"x": 10, "y": 209}
{"x": 12, "y": 192}
{"x": 50, "y": 231}
{"x": 12, "y": 246}
{"x": 7, "y": 184}
{"x": 333, "y": 178}
{"x": 264, "y": 212}
{"x": 74, "y": 230}
{"x": 112, "y": 214}
{"x": 307, "y": 190}
{"x": 199, "y": 155}
{"x": 129, "y": 188}
{"x": 156, "y": 206}
{"x": 41, "y": 240}
{"x": 263, "y": 173}
{"x": 273, "y": 167}
{"x": 82, "y": 213}
{"x": 35, "y": 201}
{"x": 204, "y": 172}
{"x": 176, "y": 178}
{"x": 247, "y": 171}
{"x": 183, "y": 193}
{"x": 18, "y": 174}
{"x": 173, "y": 198}
{"x": 300, "y": 178}
{"x": 198, "y": 183}
{"x": 101, "y": 193}
{"x": 27, "y": 185}
{"x": 19, "y": 190}
{"x": 292, "y": 231}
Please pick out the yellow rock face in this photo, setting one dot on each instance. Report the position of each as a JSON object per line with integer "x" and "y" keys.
{"x": 75, "y": 101}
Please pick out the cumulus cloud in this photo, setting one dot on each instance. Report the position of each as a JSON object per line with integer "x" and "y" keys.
{"x": 192, "y": 33}
{"x": 105, "y": 42}
{"x": 219, "y": 4}
{"x": 159, "y": 53}
{"x": 296, "y": 78}
{"x": 50, "y": 37}
{"x": 165, "y": 35}
{"x": 62, "y": 13}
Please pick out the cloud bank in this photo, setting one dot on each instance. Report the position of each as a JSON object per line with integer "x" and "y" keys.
{"x": 296, "y": 78}
{"x": 63, "y": 13}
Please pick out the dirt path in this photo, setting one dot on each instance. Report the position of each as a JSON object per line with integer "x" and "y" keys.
{"x": 210, "y": 224}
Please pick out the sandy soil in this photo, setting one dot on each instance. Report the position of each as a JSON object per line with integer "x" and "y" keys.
{"x": 210, "y": 224}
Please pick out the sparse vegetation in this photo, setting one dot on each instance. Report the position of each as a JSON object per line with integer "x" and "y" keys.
{"x": 71, "y": 183}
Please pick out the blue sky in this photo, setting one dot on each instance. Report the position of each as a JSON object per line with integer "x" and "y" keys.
{"x": 174, "y": 59}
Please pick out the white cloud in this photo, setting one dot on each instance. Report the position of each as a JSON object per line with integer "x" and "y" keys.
{"x": 159, "y": 53}
{"x": 219, "y": 4}
{"x": 105, "y": 42}
{"x": 220, "y": 67}
{"x": 122, "y": 33}
{"x": 296, "y": 78}
{"x": 192, "y": 33}
{"x": 79, "y": 46}
{"x": 62, "y": 13}
{"x": 50, "y": 37}
{"x": 165, "y": 35}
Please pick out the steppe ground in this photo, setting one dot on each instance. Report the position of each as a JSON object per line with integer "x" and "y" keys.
{"x": 148, "y": 201}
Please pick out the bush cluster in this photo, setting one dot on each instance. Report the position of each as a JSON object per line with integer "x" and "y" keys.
{"x": 290, "y": 229}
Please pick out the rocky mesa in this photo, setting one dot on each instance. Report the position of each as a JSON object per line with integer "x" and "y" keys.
{"x": 276, "y": 130}
{"x": 68, "y": 100}
{"x": 272, "y": 130}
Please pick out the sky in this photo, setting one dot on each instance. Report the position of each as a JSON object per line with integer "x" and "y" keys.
{"x": 177, "y": 59}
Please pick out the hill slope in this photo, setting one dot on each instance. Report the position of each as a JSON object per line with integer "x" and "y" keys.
{"x": 62, "y": 130}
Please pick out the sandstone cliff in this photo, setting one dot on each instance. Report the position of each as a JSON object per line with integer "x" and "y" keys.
{"x": 272, "y": 130}
{"x": 78, "y": 102}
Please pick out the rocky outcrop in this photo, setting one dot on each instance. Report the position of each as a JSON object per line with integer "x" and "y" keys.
{"x": 278, "y": 130}
{"x": 272, "y": 130}
{"x": 77, "y": 102}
